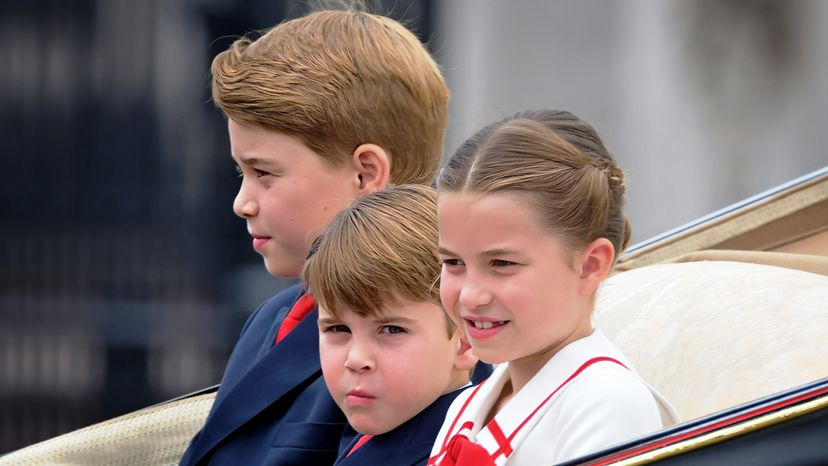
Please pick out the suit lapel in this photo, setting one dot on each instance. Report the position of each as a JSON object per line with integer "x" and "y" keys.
{"x": 409, "y": 443}
{"x": 277, "y": 373}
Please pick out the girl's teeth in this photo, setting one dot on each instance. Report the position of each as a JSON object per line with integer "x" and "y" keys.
{"x": 482, "y": 325}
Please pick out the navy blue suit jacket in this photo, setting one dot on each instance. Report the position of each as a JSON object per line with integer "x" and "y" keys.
{"x": 272, "y": 407}
{"x": 407, "y": 445}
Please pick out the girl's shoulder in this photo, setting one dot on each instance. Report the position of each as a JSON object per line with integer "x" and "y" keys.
{"x": 605, "y": 405}
{"x": 602, "y": 388}
{"x": 606, "y": 384}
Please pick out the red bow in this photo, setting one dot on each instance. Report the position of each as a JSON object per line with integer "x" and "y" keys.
{"x": 463, "y": 452}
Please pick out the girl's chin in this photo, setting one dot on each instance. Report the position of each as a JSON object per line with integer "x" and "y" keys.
{"x": 491, "y": 358}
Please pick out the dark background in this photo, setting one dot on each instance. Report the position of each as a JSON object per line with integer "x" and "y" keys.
{"x": 125, "y": 277}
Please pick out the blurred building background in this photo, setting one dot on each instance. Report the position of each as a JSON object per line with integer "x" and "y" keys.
{"x": 703, "y": 102}
{"x": 124, "y": 275}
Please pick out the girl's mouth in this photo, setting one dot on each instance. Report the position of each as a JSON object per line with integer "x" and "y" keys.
{"x": 482, "y": 329}
{"x": 487, "y": 324}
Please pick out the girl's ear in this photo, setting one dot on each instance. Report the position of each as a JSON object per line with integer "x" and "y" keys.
{"x": 464, "y": 360}
{"x": 595, "y": 263}
{"x": 373, "y": 167}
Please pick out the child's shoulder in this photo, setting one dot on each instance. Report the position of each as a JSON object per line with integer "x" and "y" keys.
{"x": 608, "y": 381}
{"x": 610, "y": 386}
{"x": 428, "y": 421}
{"x": 606, "y": 386}
{"x": 605, "y": 405}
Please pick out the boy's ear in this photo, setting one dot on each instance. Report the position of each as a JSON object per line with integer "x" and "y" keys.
{"x": 595, "y": 263}
{"x": 464, "y": 360}
{"x": 373, "y": 166}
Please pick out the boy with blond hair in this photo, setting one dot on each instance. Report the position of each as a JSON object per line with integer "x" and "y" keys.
{"x": 391, "y": 357}
{"x": 321, "y": 110}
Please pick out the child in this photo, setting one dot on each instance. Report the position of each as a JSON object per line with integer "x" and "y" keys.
{"x": 321, "y": 110}
{"x": 391, "y": 357}
{"x": 531, "y": 222}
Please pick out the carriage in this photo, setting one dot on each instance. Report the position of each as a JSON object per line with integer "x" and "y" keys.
{"x": 727, "y": 316}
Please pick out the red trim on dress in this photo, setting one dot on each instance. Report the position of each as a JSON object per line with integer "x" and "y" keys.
{"x": 469, "y": 425}
{"x": 574, "y": 374}
{"x": 504, "y": 443}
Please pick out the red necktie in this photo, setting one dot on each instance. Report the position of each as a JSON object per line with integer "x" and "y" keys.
{"x": 359, "y": 443}
{"x": 300, "y": 309}
{"x": 463, "y": 452}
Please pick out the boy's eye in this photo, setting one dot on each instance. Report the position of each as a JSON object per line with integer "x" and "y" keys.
{"x": 392, "y": 329}
{"x": 337, "y": 329}
{"x": 260, "y": 173}
{"x": 502, "y": 263}
{"x": 238, "y": 170}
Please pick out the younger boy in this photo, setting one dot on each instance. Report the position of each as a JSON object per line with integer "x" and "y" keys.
{"x": 321, "y": 110}
{"x": 391, "y": 357}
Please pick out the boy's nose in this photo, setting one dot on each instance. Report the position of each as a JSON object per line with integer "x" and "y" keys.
{"x": 359, "y": 359}
{"x": 244, "y": 205}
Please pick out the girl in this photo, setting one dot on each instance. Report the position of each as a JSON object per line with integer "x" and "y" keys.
{"x": 530, "y": 223}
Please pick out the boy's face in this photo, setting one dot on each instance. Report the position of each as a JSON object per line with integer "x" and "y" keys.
{"x": 288, "y": 194}
{"x": 384, "y": 371}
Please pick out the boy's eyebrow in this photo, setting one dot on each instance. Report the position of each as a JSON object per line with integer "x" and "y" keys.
{"x": 394, "y": 319}
{"x": 253, "y": 160}
{"x": 327, "y": 321}
{"x": 445, "y": 251}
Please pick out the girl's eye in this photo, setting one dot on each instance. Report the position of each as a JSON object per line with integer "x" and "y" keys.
{"x": 502, "y": 263}
{"x": 238, "y": 170}
{"x": 337, "y": 329}
{"x": 260, "y": 173}
{"x": 392, "y": 329}
{"x": 452, "y": 262}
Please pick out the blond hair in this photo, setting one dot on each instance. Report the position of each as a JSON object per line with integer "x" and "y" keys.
{"x": 555, "y": 159}
{"x": 338, "y": 79}
{"x": 378, "y": 252}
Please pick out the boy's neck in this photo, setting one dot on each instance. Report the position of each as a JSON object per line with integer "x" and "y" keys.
{"x": 458, "y": 380}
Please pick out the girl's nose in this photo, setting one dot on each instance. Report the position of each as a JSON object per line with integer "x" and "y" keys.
{"x": 473, "y": 295}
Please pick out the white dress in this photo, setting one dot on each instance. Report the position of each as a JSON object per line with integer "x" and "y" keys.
{"x": 586, "y": 398}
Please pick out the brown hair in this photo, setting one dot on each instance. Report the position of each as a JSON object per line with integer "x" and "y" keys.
{"x": 559, "y": 162}
{"x": 337, "y": 79}
{"x": 379, "y": 251}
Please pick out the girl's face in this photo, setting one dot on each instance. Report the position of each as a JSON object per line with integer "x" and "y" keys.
{"x": 509, "y": 282}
